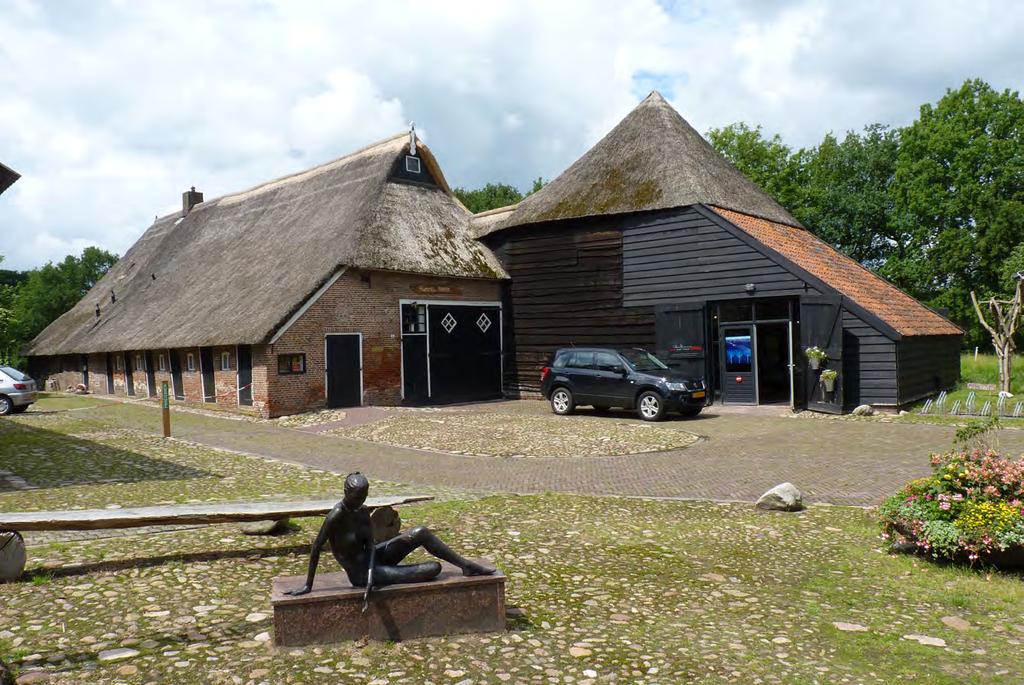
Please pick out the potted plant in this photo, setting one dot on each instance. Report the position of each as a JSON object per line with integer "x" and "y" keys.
{"x": 815, "y": 355}
{"x": 828, "y": 379}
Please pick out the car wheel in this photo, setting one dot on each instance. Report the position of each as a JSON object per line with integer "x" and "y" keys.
{"x": 6, "y": 406}
{"x": 650, "y": 406}
{"x": 690, "y": 412}
{"x": 562, "y": 402}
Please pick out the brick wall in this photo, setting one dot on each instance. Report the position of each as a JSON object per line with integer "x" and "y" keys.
{"x": 367, "y": 303}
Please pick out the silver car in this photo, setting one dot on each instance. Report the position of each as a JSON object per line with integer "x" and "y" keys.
{"x": 17, "y": 391}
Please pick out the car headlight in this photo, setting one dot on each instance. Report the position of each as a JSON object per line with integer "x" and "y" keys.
{"x": 677, "y": 387}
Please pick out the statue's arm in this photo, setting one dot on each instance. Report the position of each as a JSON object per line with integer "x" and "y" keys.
{"x": 314, "y": 555}
{"x": 369, "y": 573}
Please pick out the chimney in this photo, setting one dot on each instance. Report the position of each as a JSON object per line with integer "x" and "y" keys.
{"x": 190, "y": 199}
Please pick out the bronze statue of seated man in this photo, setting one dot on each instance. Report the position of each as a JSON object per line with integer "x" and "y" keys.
{"x": 368, "y": 564}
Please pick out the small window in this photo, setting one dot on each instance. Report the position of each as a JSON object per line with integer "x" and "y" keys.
{"x": 735, "y": 311}
{"x": 412, "y": 164}
{"x": 225, "y": 361}
{"x": 291, "y": 363}
{"x": 190, "y": 362}
{"x": 580, "y": 360}
{"x": 414, "y": 318}
{"x": 140, "y": 363}
{"x": 772, "y": 309}
{"x": 119, "y": 363}
{"x": 606, "y": 361}
{"x": 161, "y": 363}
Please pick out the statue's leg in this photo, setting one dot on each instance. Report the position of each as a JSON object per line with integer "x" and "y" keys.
{"x": 399, "y": 547}
{"x": 408, "y": 573}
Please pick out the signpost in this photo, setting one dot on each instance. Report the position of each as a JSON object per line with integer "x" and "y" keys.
{"x": 165, "y": 408}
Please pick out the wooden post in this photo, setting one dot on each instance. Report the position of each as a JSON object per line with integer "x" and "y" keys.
{"x": 165, "y": 408}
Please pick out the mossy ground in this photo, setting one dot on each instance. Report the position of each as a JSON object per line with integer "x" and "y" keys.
{"x": 613, "y": 590}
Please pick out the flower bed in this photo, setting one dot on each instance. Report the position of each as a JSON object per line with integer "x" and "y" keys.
{"x": 970, "y": 509}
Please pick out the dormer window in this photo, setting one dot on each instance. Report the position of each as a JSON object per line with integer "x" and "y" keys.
{"x": 412, "y": 164}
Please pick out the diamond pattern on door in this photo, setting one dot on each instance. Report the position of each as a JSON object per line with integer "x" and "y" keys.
{"x": 449, "y": 323}
{"x": 483, "y": 322}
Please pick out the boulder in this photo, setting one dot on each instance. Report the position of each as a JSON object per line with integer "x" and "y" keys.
{"x": 783, "y": 497}
{"x": 268, "y": 527}
{"x": 864, "y": 410}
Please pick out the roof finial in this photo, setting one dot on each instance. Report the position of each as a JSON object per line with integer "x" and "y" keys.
{"x": 412, "y": 137}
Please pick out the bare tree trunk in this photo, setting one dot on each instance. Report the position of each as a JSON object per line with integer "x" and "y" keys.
{"x": 1006, "y": 315}
{"x": 1005, "y": 362}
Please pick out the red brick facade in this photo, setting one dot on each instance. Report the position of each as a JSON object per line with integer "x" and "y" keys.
{"x": 358, "y": 302}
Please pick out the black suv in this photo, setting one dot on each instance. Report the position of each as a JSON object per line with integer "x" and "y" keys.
{"x": 629, "y": 378}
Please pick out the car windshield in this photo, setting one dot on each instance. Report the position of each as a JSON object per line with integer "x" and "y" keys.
{"x": 643, "y": 361}
{"x": 14, "y": 373}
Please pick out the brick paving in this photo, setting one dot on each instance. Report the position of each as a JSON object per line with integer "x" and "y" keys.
{"x": 742, "y": 454}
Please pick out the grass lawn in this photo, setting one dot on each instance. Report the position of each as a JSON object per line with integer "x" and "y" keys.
{"x": 613, "y": 590}
{"x": 982, "y": 370}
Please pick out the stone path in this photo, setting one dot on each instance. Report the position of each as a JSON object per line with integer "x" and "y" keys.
{"x": 836, "y": 461}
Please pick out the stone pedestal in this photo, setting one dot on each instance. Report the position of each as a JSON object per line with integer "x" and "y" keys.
{"x": 333, "y": 611}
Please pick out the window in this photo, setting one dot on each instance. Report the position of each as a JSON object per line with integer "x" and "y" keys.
{"x": 772, "y": 309}
{"x": 580, "y": 360}
{"x": 735, "y": 311}
{"x": 643, "y": 361}
{"x": 119, "y": 363}
{"x": 414, "y": 318}
{"x": 140, "y": 363}
{"x": 606, "y": 361}
{"x": 14, "y": 374}
{"x": 412, "y": 164}
{"x": 190, "y": 362}
{"x": 291, "y": 363}
{"x": 225, "y": 361}
{"x": 161, "y": 363}
{"x": 738, "y": 352}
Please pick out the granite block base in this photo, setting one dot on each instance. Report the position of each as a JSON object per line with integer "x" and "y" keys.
{"x": 333, "y": 611}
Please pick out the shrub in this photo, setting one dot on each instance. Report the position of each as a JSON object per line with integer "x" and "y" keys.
{"x": 970, "y": 507}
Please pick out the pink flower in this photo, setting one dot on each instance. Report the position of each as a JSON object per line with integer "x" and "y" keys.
{"x": 945, "y": 506}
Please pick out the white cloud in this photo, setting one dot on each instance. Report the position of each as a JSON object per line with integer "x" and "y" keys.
{"x": 112, "y": 109}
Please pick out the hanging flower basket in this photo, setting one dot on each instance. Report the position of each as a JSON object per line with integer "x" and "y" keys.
{"x": 828, "y": 379}
{"x": 815, "y": 356}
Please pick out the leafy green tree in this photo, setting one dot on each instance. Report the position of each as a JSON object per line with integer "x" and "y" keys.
{"x": 768, "y": 162}
{"x": 53, "y": 289}
{"x": 491, "y": 196}
{"x": 847, "y": 200}
{"x": 538, "y": 183}
{"x": 959, "y": 187}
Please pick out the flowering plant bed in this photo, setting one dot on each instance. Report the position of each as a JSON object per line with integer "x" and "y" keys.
{"x": 970, "y": 509}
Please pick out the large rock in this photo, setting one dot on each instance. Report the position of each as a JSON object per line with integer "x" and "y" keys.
{"x": 864, "y": 410}
{"x": 783, "y": 497}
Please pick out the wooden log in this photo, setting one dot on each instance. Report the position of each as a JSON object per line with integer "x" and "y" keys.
{"x": 184, "y": 514}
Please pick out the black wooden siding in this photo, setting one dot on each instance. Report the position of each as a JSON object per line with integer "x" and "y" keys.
{"x": 566, "y": 289}
{"x": 927, "y": 364}
{"x": 681, "y": 255}
{"x": 869, "y": 364}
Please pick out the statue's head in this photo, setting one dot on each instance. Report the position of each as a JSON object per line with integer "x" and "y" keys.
{"x": 356, "y": 489}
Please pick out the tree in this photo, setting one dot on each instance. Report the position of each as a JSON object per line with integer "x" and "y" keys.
{"x": 959, "y": 188}
{"x": 491, "y": 196}
{"x": 52, "y": 290}
{"x": 847, "y": 199}
{"x": 1005, "y": 321}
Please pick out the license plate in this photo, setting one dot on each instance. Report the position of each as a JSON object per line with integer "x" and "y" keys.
{"x": 698, "y": 395}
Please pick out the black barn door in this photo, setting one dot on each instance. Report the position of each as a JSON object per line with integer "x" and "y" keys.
{"x": 129, "y": 380}
{"x": 344, "y": 371}
{"x": 681, "y": 334}
{"x": 414, "y": 369}
{"x": 244, "y": 355}
{"x": 150, "y": 375}
{"x": 176, "y": 386}
{"x": 821, "y": 325}
{"x": 110, "y": 374}
{"x": 465, "y": 352}
{"x": 85, "y": 371}
{"x": 206, "y": 366}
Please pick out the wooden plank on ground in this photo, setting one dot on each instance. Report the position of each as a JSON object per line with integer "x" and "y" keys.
{"x": 181, "y": 514}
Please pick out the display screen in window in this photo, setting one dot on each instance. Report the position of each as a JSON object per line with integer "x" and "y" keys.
{"x": 738, "y": 353}
{"x": 291, "y": 363}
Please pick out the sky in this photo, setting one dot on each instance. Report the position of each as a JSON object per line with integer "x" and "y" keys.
{"x": 110, "y": 109}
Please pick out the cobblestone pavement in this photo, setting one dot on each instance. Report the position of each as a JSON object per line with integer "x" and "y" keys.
{"x": 742, "y": 455}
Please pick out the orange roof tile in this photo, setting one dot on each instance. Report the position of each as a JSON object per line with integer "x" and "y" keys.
{"x": 872, "y": 292}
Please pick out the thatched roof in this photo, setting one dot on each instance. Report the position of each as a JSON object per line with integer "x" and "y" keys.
{"x": 235, "y": 268}
{"x": 7, "y": 177}
{"x": 652, "y": 159}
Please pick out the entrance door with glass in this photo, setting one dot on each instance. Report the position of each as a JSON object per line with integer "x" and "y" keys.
{"x": 755, "y": 340}
{"x": 739, "y": 380}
